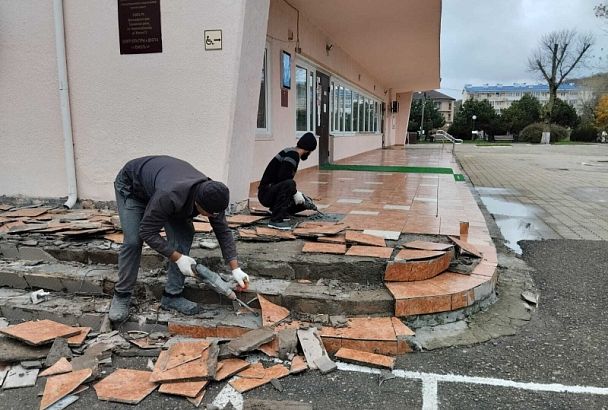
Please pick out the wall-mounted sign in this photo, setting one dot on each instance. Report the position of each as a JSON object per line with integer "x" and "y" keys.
{"x": 139, "y": 26}
{"x": 213, "y": 39}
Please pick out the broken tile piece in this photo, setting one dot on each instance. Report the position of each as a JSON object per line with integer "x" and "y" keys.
{"x": 250, "y": 341}
{"x": 370, "y": 251}
{"x": 243, "y": 384}
{"x": 25, "y": 213}
{"x": 255, "y": 371}
{"x": 58, "y": 350}
{"x": 364, "y": 239}
{"x": 271, "y": 313}
{"x": 202, "y": 227}
{"x": 198, "y": 369}
{"x": 318, "y": 247}
{"x": 400, "y": 328}
{"x": 298, "y": 365}
{"x": 230, "y": 367}
{"x": 466, "y": 247}
{"x": 57, "y": 387}
{"x": 186, "y": 389}
{"x": 125, "y": 386}
{"x": 415, "y": 254}
{"x": 40, "y": 331}
{"x": 236, "y": 220}
{"x": 312, "y": 346}
{"x": 61, "y": 366}
{"x": 18, "y": 377}
{"x": 184, "y": 352}
{"x": 390, "y": 235}
{"x": 79, "y": 339}
{"x": 365, "y": 358}
{"x": 325, "y": 364}
{"x": 196, "y": 401}
{"x": 428, "y": 246}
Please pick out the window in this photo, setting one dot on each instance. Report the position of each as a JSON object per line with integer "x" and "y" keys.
{"x": 301, "y": 99}
{"x": 348, "y": 110}
{"x": 305, "y": 99}
{"x": 262, "y": 124}
{"x": 351, "y": 111}
{"x": 355, "y": 111}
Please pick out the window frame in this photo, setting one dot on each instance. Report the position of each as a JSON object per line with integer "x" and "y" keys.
{"x": 311, "y": 103}
{"x": 265, "y": 133}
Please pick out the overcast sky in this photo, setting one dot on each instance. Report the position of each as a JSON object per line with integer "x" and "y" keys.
{"x": 489, "y": 41}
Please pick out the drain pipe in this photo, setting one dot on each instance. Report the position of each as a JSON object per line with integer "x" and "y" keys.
{"x": 64, "y": 99}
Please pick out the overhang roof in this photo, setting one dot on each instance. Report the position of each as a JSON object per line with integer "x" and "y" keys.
{"x": 397, "y": 41}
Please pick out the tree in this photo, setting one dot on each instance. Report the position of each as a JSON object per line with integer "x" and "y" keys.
{"x": 558, "y": 54}
{"x": 601, "y": 112}
{"x": 525, "y": 111}
{"x": 432, "y": 117}
{"x": 564, "y": 114}
{"x": 463, "y": 120}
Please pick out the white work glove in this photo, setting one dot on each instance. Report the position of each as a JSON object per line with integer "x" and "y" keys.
{"x": 298, "y": 198}
{"x": 184, "y": 263}
{"x": 240, "y": 277}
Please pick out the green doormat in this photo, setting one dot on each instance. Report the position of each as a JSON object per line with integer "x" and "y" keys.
{"x": 386, "y": 168}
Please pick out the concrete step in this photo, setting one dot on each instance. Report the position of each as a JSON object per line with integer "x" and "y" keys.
{"x": 301, "y": 297}
{"x": 279, "y": 260}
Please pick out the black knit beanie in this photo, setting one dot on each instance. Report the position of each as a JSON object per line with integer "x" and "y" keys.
{"x": 308, "y": 142}
{"x": 212, "y": 196}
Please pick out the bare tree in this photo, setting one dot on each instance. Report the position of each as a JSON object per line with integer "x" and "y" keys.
{"x": 558, "y": 53}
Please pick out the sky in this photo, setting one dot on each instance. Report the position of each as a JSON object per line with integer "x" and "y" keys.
{"x": 489, "y": 41}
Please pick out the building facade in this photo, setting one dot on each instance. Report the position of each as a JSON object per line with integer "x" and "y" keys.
{"x": 444, "y": 104}
{"x": 223, "y": 85}
{"x": 502, "y": 96}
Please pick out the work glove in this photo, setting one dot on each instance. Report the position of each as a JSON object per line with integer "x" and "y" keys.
{"x": 240, "y": 277}
{"x": 299, "y": 198}
{"x": 184, "y": 263}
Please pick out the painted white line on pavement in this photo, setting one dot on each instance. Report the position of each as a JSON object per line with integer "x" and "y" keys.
{"x": 430, "y": 380}
{"x": 229, "y": 395}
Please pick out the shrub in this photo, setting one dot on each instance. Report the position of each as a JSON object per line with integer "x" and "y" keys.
{"x": 533, "y": 133}
{"x": 585, "y": 133}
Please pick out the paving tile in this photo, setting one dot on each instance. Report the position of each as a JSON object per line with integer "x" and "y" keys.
{"x": 125, "y": 386}
{"x": 390, "y": 235}
{"x": 196, "y": 401}
{"x": 243, "y": 219}
{"x": 18, "y": 377}
{"x": 202, "y": 331}
{"x": 364, "y": 239}
{"x": 273, "y": 233}
{"x": 365, "y": 358}
{"x": 485, "y": 269}
{"x": 349, "y": 201}
{"x": 466, "y": 247}
{"x": 115, "y": 237}
{"x": 243, "y": 384}
{"x": 61, "y": 366}
{"x": 202, "y": 227}
{"x": 184, "y": 352}
{"x": 186, "y": 389}
{"x": 387, "y": 347}
{"x": 363, "y": 190}
{"x": 230, "y": 367}
{"x": 369, "y": 213}
{"x": 370, "y": 251}
{"x": 316, "y": 247}
{"x": 417, "y": 270}
{"x": 397, "y": 207}
{"x": 25, "y": 213}
{"x": 255, "y": 371}
{"x": 319, "y": 230}
{"x": 431, "y": 246}
{"x": 423, "y": 305}
{"x": 201, "y": 368}
{"x": 368, "y": 328}
{"x": 340, "y": 238}
{"x": 416, "y": 254}
{"x": 298, "y": 365}
{"x": 79, "y": 339}
{"x": 40, "y": 331}
{"x": 271, "y": 313}
{"x": 57, "y": 387}
{"x": 401, "y": 329}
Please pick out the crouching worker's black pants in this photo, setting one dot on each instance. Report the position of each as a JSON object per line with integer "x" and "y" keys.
{"x": 279, "y": 199}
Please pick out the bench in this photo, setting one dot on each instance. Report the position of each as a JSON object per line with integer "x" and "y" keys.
{"x": 508, "y": 137}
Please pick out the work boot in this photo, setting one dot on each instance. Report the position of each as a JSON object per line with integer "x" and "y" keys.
{"x": 119, "y": 308}
{"x": 178, "y": 303}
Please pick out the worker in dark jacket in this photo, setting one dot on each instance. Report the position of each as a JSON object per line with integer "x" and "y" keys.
{"x": 277, "y": 189}
{"x": 159, "y": 192}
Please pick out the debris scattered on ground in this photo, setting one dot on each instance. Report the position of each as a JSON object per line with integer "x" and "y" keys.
{"x": 39, "y": 296}
{"x": 18, "y": 377}
{"x": 365, "y": 358}
{"x": 125, "y": 386}
{"x": 271, "y": 313}
{"x": 61, "y": 366}
{"x": 250, "y": 341}
{"x": 59, "y": 349}
{"x": 530, "y": 297}
{"x": 39, "y": 332}
{"x": 57, "y": 387}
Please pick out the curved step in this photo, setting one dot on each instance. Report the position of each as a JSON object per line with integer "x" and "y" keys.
{"x": 415, "y": 265}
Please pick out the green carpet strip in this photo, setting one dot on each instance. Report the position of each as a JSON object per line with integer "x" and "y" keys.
{"x": 386, "y": 168}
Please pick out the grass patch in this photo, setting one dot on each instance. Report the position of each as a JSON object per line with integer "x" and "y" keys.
{"x": 494, "y": 144}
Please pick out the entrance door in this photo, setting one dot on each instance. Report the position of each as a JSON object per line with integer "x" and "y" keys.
{"x": 323, "y": 117}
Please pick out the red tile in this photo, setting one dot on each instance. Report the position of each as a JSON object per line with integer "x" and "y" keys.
{"x": 370, "y": 251}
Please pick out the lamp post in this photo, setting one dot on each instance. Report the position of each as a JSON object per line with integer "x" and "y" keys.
{"x": 474, "y": 117}
{"x": 422, "y": 119}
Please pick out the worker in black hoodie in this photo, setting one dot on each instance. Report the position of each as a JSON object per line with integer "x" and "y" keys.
{"x": 157, "y": 192}
{"x": 277, "y": 190}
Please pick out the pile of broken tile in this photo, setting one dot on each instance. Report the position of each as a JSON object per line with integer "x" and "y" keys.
{"x": 74, "y": 357}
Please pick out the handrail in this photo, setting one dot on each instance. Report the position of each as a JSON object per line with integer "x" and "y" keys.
{"x": 447, "y": 136}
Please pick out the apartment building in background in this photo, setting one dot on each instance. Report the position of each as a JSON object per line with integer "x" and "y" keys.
{"x": 444, "y": 103}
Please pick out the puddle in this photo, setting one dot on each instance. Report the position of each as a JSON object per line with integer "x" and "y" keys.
{"x": 516, "y": 221}
{"x": 496, "y": 191}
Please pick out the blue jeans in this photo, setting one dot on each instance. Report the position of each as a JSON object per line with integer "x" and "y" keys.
{"x": 180, "y": 233}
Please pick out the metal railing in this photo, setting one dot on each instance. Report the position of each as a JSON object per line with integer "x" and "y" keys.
{"x": 441, "y": 135}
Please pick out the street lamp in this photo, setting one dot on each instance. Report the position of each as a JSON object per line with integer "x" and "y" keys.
{"x": 422, "y": 119}
{"x": 474, "y": 117}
